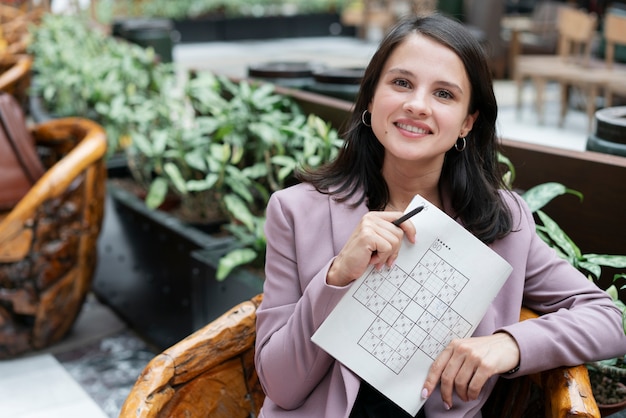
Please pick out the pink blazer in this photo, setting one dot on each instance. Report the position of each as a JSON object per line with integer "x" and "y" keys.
{"x": 306, "y": 229}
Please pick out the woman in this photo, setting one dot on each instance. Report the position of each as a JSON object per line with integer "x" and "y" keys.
{"x": 424, "y": 123}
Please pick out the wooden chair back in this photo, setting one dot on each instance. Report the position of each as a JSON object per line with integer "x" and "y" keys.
{"x": 577, "y": 31}
{"x": 614, "y": 34}
{"x": 211, "y": 374}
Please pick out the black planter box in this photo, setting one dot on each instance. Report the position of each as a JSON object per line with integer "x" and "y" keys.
{"x": 215, "y": 28}
{"x": 158, "y": 274}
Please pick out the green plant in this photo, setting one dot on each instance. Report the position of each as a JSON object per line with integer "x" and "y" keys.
{"x": 319, "y": 144}
{"x": 80, "y": 71}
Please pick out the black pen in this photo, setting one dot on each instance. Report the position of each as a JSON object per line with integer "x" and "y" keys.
{"x": 408, "y": 215}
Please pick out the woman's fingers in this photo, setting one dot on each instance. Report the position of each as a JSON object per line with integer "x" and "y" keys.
{"x": 374, "y": 241}
{"x": 465, "y": 365}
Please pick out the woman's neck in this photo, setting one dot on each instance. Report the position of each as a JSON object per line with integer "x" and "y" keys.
{"x": 405, "y": 179}
{"x": 402, "y": 191}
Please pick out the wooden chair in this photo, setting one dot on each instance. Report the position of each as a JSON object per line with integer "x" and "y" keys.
{"x": 599, "y": 74}
{"x": 614, "y": 34}
{"x": 577, "y": 31}
{"x": 534, "y": 34}
{"x": 211, "y": 374}
{"x": 15, "y": 77}
{"x": 48, "y": 239}
{"x": 208, "y": 374}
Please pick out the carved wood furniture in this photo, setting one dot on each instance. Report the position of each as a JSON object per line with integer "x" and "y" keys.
{"x": 48, "y": 239}
{"x": 577, "y": 31}
{"x": 15, "y": 77}
{"x": 211, "y": 374}
{"x": 208, "y": 374}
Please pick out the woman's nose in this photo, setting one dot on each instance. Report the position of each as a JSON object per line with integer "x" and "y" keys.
{"x": 417, "y": 104}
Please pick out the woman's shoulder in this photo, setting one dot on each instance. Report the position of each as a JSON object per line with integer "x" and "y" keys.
{"x": 302, "y": 197}
{"x": 521, "y": 215}
{"x": 297, "y": 193}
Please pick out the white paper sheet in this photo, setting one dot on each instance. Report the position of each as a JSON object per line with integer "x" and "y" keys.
{"x": 393, "y": 323}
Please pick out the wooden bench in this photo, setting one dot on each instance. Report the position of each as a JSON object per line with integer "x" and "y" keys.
{"x": 211, "y": 374}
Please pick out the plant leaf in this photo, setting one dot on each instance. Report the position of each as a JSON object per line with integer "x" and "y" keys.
{"x": 559, "y": 237}
{"x": 617, "y": 261}
{"x": 240, "y": 211}
{"x": 235, "y": 258}
{"x": 156, "y": 193}
{"x": 175, "y": 176}
{"x": 540, "y": 195}
{"x": 592, "y": 268}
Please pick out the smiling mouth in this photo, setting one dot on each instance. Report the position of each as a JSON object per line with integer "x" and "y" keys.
{"x": 411, "y": 128}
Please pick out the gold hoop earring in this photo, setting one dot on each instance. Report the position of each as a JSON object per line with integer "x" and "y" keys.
{"x": 363, "y": 119}
{"x": 462, "y": 147}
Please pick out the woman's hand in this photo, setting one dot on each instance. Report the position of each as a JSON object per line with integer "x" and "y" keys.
{"x": 466, "y": 364}
{"x": 374, "y": 241}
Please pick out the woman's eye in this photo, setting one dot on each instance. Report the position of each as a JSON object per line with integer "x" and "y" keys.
{"x": 402, "y": 83}
{"x": 444, "y": 94}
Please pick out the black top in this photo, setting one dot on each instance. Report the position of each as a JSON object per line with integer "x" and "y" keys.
{"x": 370, "y": 403}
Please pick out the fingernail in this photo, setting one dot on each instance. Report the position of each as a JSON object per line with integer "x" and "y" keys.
{"x": 424, "y": 393}
{"x": 446, "y": 406}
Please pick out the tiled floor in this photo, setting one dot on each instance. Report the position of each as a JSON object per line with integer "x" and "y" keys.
{"x": 87, "y": 375}
{"x": 90, "y": 373}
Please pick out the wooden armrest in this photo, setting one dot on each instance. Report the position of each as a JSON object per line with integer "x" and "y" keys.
{"x": 210, "y": 373}
{"x": 16, "y": 73}
{"x": 14, "y": 231}
{"x": 567, "y": 389}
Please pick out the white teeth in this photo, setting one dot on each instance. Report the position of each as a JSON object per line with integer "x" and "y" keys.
{"x": 410, "y": 128}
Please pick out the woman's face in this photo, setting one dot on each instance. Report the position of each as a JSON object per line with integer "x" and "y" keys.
{"x": 419, "y": 107}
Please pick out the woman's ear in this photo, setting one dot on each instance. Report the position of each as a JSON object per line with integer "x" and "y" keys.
{"x": 468, "y": 124}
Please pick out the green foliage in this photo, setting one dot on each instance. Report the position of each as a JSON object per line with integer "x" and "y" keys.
{"x": 549, "y": 230}
{"x": 80, "y": 71}
{"x": 107, "y": 10}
